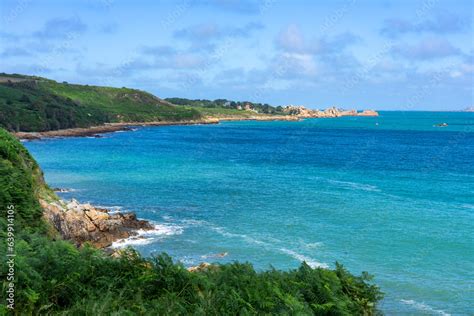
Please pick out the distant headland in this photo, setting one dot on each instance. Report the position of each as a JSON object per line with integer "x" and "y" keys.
{"x": 37, "y": 107}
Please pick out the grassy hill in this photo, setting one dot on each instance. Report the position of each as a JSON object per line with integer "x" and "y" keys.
{"x": 33, "y": 104}
{"x": 36, "y": 104}
{"x": 53, "y": 277}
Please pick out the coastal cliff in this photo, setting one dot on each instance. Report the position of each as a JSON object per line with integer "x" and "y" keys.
{"x": 81, "y": 223}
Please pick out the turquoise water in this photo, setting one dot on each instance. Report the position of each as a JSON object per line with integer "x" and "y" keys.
{"x": 392, "y": 195}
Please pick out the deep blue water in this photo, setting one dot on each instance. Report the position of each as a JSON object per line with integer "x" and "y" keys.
{"x": 392, "y": 195}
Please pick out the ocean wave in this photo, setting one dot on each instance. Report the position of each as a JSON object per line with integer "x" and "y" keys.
{"x": 311, "y": 245}
{"x": 310, "y": 261}
{"x": 145, "y": 237}
{"x": 424, "y": 307}
{"x": 64, "y": 190}
{"x": 266, "y": 245}
{"x": 193, "y": 222}
{"x": 221, "y": 230}
{"x": 355, "y": 185}
{"x": 247, "y": 238}
{"x": 189, "y": 260}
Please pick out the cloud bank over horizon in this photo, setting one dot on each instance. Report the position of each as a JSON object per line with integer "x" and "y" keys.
{"x": 407, "y": 55}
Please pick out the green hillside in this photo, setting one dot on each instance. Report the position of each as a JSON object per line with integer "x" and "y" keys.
{"x": 224, "y": 106}
{"x": 37, "y": 104}
{"x": 53, "y": 277}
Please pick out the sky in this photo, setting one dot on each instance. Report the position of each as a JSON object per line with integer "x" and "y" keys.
{"x": 384, "y": 55}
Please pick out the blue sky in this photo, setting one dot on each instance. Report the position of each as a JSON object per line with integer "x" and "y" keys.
{"x": 407, "y": 55}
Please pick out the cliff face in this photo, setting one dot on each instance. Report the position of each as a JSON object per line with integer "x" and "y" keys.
{"x": 303, "y": 112}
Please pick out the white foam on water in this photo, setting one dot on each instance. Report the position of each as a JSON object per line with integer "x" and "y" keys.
{"x": 66, "y": 190}
{"x": 247, "y": 238}
{"x": 310, "y": 261}
{"x": 195, "y": 222}
{"x": 145, "y": 237}
{"x": 266, "y": 245}
{"x": 424, "y": 307}
{"x": 312, "y": 245}
{"x": 220, "y": 230}
{"x": 111, "y": 209}
{"x": 189, "y": 261}
{"x": 468, "y": 206}
{"x": 355, "y": 185}
{"x": 131, "y": 241}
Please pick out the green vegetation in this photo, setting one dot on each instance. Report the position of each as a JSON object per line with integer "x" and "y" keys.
{"x": 226, "y": 112}
{"x": 262, "y": 108}
{"x": 32, "y": 104}
{"x": 54, "y": 277}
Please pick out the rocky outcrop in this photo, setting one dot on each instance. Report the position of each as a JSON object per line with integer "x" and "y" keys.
{"x": 303, "y": 112}
{"x": 368, "y": 113}
{"x": 260, "y": 118}
{"x": 81, "y": 223}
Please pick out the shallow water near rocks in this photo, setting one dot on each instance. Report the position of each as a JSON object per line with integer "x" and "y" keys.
{"x": 392, "y": 195}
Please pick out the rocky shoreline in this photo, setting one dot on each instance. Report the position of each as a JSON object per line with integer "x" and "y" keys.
{"x": 102, "y": 129}
{"x": 84, "y": 223}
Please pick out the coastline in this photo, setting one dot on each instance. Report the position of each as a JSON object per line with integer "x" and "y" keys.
{"x": 114, "y": 127}
{"x": 81, "y": 223}
{"x": 95, "y": 131}
{"x": 102, "y": 129}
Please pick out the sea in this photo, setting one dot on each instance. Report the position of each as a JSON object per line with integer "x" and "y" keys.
{"x": 391, "y": 195}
